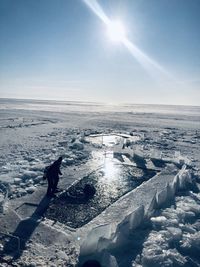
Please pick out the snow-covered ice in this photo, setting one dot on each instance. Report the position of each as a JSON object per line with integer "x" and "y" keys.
{"x": 155, "y": 224}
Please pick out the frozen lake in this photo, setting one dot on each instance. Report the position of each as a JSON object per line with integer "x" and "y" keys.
{"x": 107, "y": 146}
{"x": 68, "y": 106}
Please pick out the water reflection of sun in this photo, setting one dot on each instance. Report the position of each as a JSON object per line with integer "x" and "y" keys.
{"x": 110, "y": 169}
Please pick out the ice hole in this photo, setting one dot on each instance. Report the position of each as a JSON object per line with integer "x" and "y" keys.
{"x": 117, "y": 168}
{"x": 112, "y": 139}
{"x": 111, "y": 181}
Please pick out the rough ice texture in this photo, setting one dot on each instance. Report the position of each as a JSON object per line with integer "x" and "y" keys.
{"x": 113, "y": 226}
{"x": 90, "y": 244}
{"x": 184, "y": 178}
{"x": 174, "y": 239}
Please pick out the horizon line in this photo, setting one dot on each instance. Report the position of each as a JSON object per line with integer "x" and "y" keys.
{"x": 97, "y": 102}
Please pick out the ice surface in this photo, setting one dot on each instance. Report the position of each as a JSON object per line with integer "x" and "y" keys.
{"x": 162, "y": 258}
{"x": 155, "y": 154}
{"x": 17, "y": 181}
{"x": 27, "y": 136}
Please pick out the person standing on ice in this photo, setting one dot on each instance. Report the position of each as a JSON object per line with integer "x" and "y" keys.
{"x": 51, "y": 173}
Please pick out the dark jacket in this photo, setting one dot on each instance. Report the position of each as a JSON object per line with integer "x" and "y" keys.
{"x": 52, "y": 171}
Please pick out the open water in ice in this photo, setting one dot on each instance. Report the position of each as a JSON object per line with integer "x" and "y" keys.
{"x": 112, "y": 180}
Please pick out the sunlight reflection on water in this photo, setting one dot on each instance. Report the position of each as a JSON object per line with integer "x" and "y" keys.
{"x": 112, "y": 174}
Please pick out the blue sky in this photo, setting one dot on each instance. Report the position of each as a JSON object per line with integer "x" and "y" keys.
{"x": 59, "y": 49}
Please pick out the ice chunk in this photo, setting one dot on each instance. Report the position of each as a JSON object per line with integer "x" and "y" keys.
{"x": 180, "y": 159}
{"x": 127, "y": 160}
{"x": 68, "y": 161}
{"x": 90, "y": 243}
{"x": 175, "y": 232}
{"x": 29, "y": 174}
{"x": 153, "y": 256}
{"x": 170, "y": 213}
{"x": 184, "y": 178}
{"x": 188, "y": 204}
{"x": 158, "y": 220}
{"x": 191, "y": 243}
{"x": 63, "y": 143}
{"x": 155, "y": 154}
{"x": 7, "y": 177}
{"x": 161, "y": 197}
{"x": 30, "y": 189}
{"x": 21, "y": 192}
{"x": 157, "y": 253}
{"x": 77, "y": 145}
{"x": 176, "y": 258}
{"x": 62, "y": 255}
{"x": 82, "y": 139}
{"x": 37, "y": 167}
{"x": 38, "y": 179}
{"x": 29, "y": 182}
{"x": 156, "y": 158}
{"x": 88, "y": 132}
{"x": 187, "y": 228}
{"x": 17, "y": 181}
{"x": 164, "y": 220}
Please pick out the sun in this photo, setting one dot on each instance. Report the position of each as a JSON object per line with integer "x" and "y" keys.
{"x": 116, "y": 31}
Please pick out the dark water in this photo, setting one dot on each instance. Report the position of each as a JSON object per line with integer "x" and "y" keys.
{"x": 111, "y": 180}
{"x": 75, "y": 210}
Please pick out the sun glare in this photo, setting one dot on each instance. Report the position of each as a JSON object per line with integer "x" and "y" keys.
{"x": 116, "y": 31}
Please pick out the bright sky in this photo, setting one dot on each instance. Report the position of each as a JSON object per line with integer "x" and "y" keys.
{"x": 65, "y": 50}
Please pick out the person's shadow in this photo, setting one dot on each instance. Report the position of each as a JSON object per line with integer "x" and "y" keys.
{"x": 24, "y": 230}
